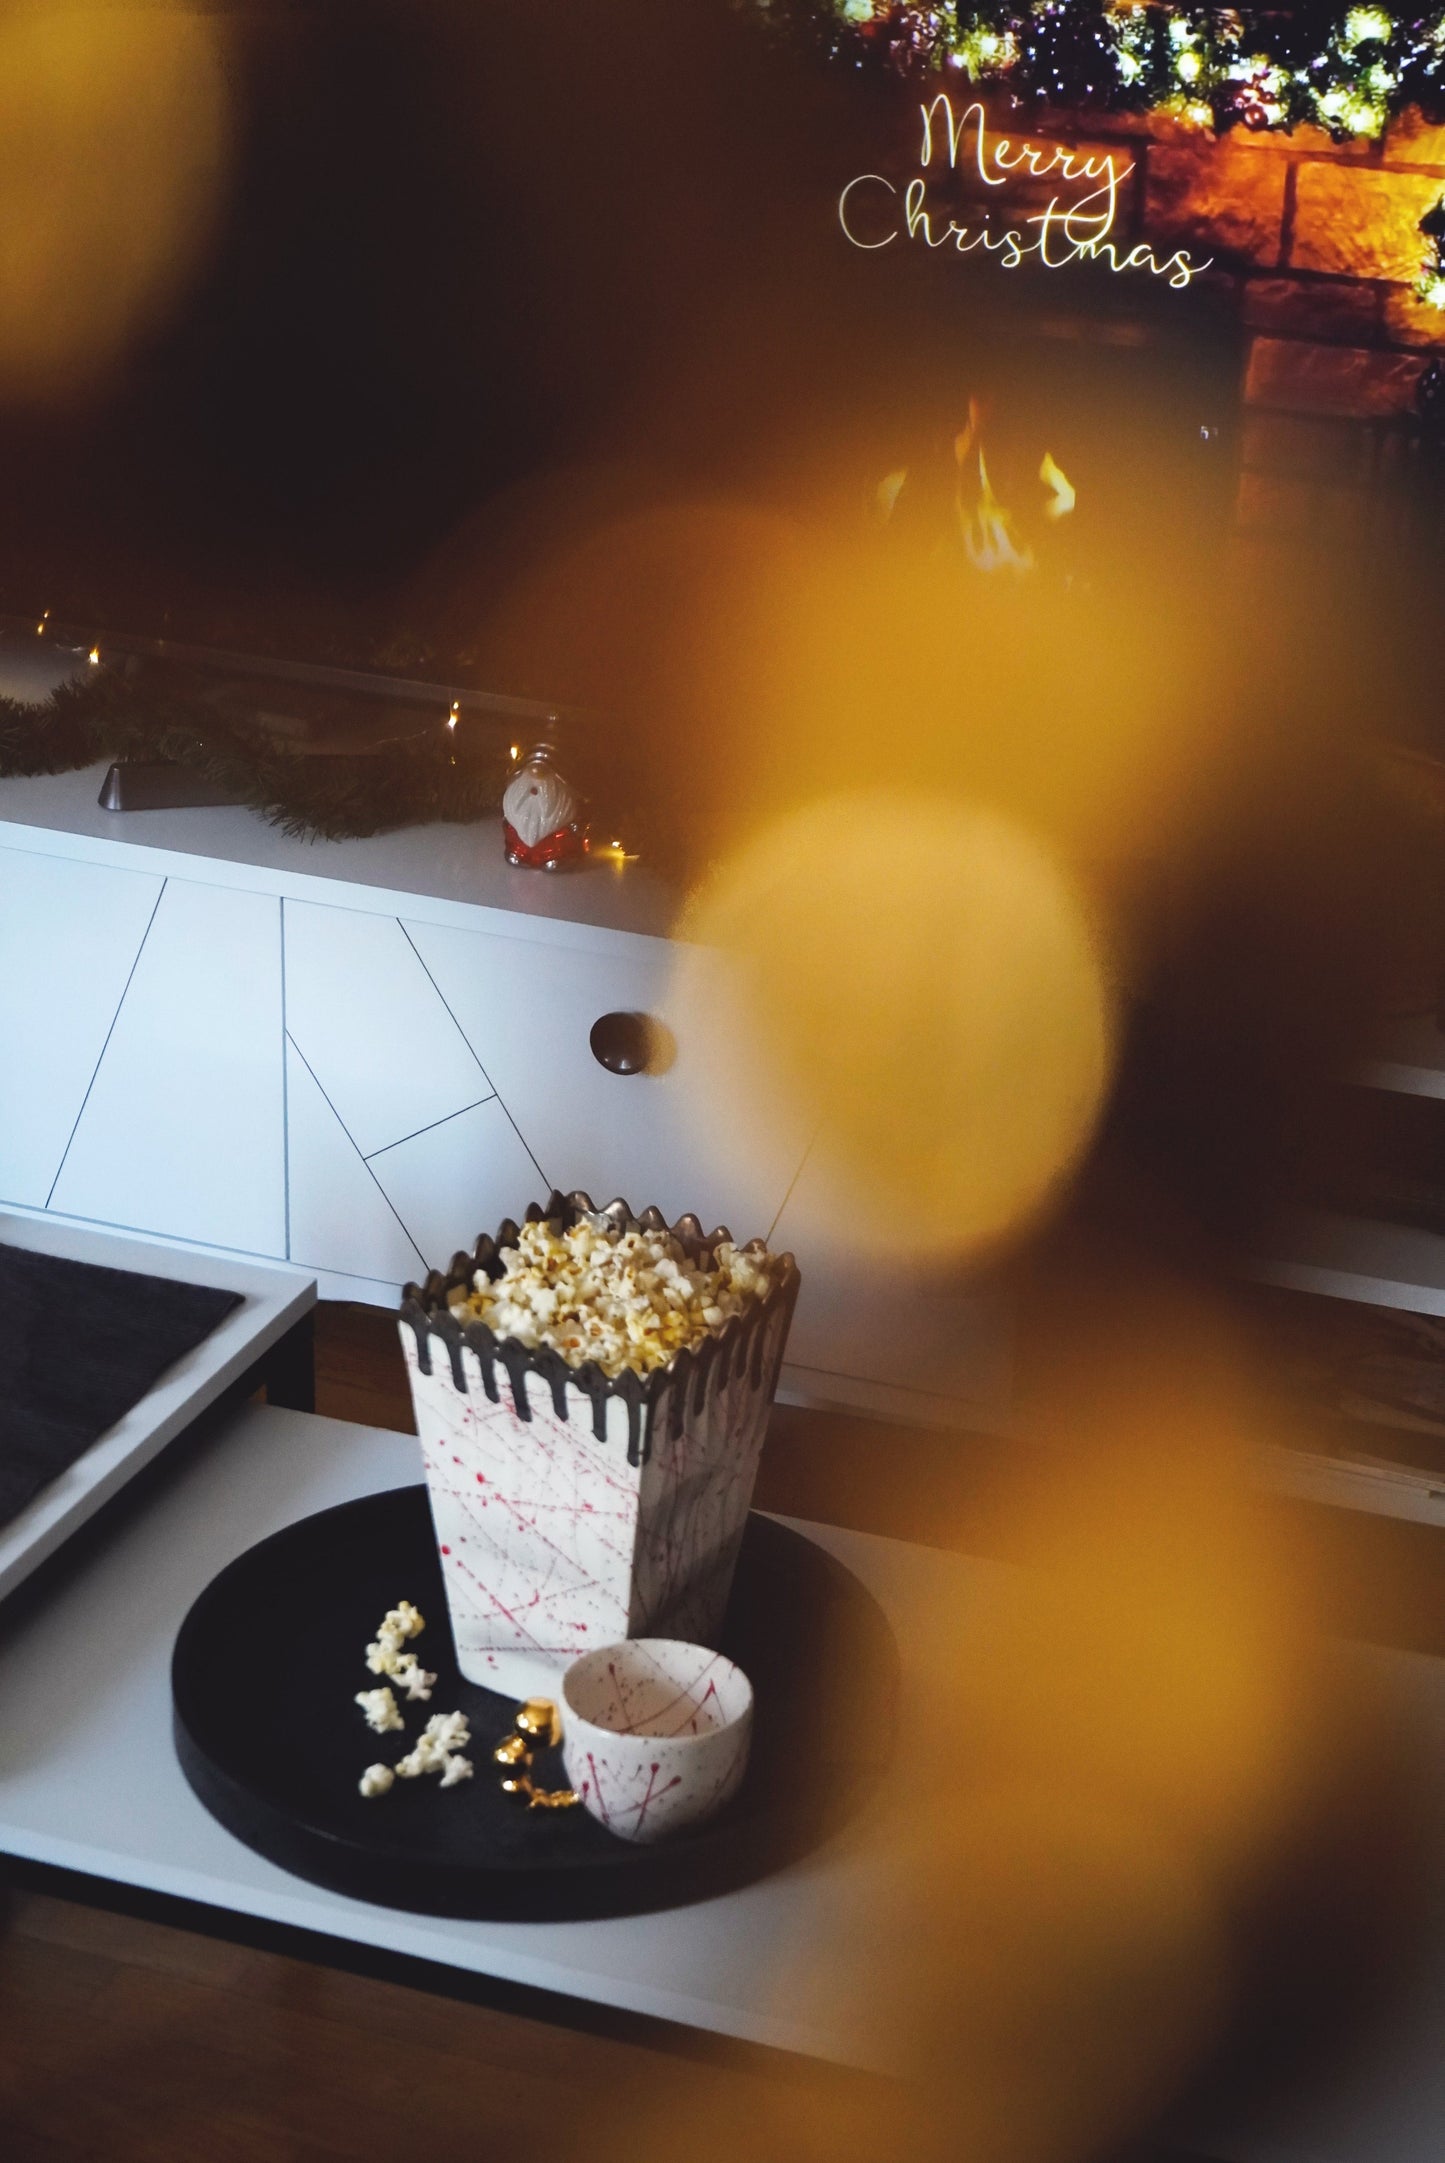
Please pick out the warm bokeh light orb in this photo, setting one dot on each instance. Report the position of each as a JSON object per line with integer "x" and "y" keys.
{"x": 920, "y": 980}
{"x": 114, "y": 135}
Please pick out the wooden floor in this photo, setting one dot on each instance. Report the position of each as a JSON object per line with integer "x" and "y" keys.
{"x": 126, "y": 2041}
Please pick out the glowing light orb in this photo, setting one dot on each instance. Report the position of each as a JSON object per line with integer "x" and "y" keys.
{"x": 114, "y": 143}
{"x": 919, "y": 979}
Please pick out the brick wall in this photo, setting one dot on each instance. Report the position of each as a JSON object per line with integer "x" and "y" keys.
{"x": 1319, "y": 246}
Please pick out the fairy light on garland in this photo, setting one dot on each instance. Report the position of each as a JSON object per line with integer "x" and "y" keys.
{"x": 1431, "y": 284}
{"x": 1216, "y": 68}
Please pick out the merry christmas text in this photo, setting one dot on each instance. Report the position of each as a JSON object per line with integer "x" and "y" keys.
{"x": 1076, "y": 225}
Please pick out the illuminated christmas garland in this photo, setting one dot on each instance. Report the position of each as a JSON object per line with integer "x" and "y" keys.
{"x": 165, "y": 714}
{"x": 1217, "y": 68}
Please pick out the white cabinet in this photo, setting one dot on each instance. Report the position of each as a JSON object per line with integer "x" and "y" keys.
{"x": 442, "y": 1079}
{"x": 289, "y": 1062}
{"x": 182, "y": 1129}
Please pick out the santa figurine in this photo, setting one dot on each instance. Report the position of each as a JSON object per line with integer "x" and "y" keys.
{"x": 543, "y": 819}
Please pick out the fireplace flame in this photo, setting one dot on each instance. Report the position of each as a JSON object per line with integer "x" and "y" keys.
{"x": 1064, "y": 495}
{"x": 989, "y": 538}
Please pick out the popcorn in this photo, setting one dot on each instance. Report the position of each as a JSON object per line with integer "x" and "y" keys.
{"x": 447, "y": 1731}
{"x": 624, "y": 1299}
{"x": 445, "y": 1735}
{"x": 384, "y": 1655}
{"x": 413, "y": 1677}
{"x": 380, "y": 1708}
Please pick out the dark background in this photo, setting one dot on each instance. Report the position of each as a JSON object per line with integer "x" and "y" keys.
{"x": 468, "y": 251}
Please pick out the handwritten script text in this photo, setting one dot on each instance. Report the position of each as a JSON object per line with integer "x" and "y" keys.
{"x": 1076, "y": 225}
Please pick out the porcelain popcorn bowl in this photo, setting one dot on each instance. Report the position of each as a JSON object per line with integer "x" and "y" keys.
{"x": 655, "y": 1734}
{"x": 573, "y": 1508}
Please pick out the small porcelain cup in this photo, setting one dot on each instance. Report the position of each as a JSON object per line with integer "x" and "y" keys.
{"x": 655, "y": 1734}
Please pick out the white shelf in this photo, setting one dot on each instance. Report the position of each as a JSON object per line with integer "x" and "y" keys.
{"x": 1409, "y": 1059}
{"x": 273, "y": 1301}
{"x": 1355, "y": 1258}
{"x": 1355, "y": 1483}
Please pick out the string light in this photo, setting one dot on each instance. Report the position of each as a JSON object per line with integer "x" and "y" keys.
{"x": 1431, "y": 285}
{"x": 44, "y": 619}
{"x": 455, "y": 715}
{"x": 1211, "y": 68}
{"x": 1364, "y": 26}
{"x": 94, "y": 656}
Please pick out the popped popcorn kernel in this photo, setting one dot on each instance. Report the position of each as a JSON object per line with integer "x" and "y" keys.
{"x": 377, "y": 1780}
{"x": 413, "y": 1677}
{"x": 438, "y": 1749}
{"x": 380, "y": 1707}
{"x": 384, "y": 1655}
{"x": 623, "y": 1299}
{"x": 446, "y": 1731}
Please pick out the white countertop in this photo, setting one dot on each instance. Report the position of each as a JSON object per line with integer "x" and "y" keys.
{"x": 462, "y": 865}
{"x": 89, "y": 1778}
{"x": 89, "y": 1781}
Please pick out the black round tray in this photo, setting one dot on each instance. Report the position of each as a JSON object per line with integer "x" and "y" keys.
{"x": 270, "y": 1657}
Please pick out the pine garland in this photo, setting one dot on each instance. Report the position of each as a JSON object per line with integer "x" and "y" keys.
{"x": 163, "y": 715}
{"x": 1216, "y": 67}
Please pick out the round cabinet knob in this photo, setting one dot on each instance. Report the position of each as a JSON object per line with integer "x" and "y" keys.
{"x": 627, "y": 1043}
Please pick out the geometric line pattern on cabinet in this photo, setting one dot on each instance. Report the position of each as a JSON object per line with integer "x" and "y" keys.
{"x": 547, "y": 1183}
{"x": 429, "y": 1129}
{"x": 285, "y": 1097}
{"x": 110, "y": 1032}
{"x": 181, "y": 1129}
{"x": 70, "y": 936}
{"x": 527, "y": 1012}
{"x": 457, "y": 1179}
{"x": 366, "y": 1018}
{"x": 341, "y": 1216}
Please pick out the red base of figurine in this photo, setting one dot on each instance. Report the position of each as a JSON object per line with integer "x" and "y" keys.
{"x": 567, "y": 846}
